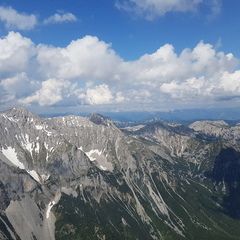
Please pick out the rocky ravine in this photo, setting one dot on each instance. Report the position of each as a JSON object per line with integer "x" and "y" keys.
{"x": 84, "y": 178}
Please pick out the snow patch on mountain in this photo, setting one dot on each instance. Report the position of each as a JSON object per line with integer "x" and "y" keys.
{"x": 49, "y": 207}
{"x": 103, "y": 168}
{"x": 39, "y": 127}
{"x": 11, "y": 119}
{"x": 134, "y": 128}
{"x": 11, "y": 155}
{"x": 93, "y": 154}
{"x": 35, "y": 175}
{"x": 28, "y": 145}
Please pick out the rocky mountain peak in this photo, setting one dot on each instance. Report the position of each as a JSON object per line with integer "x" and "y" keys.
{"x": 20, "y": 112}
{"x": 99, "y": 119}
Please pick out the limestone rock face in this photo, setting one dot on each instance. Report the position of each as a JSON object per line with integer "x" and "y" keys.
{"x": 76, "y": 177}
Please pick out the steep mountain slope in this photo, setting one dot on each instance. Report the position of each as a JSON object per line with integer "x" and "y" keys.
{"x": 83, "y": 178}
{"x": 220, "y": 129}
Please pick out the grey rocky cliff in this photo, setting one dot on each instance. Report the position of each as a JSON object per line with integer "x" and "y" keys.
{"x": 95, "y": 165}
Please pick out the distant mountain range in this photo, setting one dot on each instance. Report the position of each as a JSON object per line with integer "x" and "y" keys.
{"x": 74, "y": 177}
{"x": 185, "y": 115}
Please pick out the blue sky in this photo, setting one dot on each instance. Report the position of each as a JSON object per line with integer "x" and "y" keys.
{"x": 132, "y": 36}
{"x": 126, "y": 55}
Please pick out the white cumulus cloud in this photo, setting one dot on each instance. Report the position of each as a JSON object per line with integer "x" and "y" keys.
{"x": 99, "y": 95}
{"x": 87, "y": 58}
{"x": 50, "y": 92}
{"x": 152, "y": 9}
{"x": 88, "y": 71}
{"x": 15, "y": 53}
{"x": 16, "y": 20}
{"x": 60, "y": 18}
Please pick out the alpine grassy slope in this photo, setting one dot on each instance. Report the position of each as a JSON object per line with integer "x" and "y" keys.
{"x": 84, "y": 178}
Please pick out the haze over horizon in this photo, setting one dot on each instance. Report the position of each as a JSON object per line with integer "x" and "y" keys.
{"x": 123, "y": 55}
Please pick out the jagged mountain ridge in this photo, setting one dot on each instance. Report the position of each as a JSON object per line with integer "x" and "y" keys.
{"x": 84, "y": 178}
